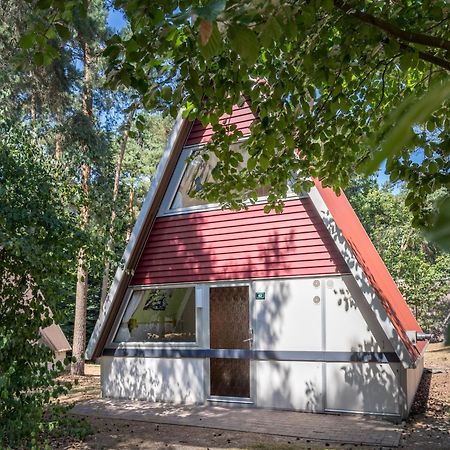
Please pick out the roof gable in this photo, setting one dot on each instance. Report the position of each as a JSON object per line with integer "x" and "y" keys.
{"x": 54, "y": 338}
{"x": 336, "y": 212}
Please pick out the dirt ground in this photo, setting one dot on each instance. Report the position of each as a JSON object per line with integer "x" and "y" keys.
{"x": 428, "y": 427}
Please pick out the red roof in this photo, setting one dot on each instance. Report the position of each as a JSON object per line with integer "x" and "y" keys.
{"x": 373, "y": 266}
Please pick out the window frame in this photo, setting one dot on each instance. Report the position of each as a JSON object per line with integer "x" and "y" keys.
{"x": 199, "y": 308}
{"x": 175, "y": 181}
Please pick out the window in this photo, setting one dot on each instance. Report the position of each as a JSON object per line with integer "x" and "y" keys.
{"x": 197, "y": 172}
{"x": 159, "y": 315}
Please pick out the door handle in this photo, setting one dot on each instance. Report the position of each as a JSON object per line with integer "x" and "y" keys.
{"x": 250, "y": 339}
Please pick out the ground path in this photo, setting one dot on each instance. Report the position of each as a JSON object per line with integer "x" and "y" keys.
{"x": 427, "y": 429}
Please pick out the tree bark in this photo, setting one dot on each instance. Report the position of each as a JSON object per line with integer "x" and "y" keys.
{"x": 79, "y": 329}
{"x": 58, "y": 137}
{"x": 110, "y": 242}
{"x": 130, "y": 212}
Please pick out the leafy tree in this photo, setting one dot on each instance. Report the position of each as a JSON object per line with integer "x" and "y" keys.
{"x": 38, "y": 243}
{"x": 321, "y": 77}
{"x": 421, "y": 270}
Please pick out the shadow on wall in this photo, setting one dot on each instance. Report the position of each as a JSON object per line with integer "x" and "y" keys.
{"x": 353, "y": 386}
{"x": 154, "y": 379}
{"x": 370, "y": 386}
{"x": 378, "y": 305}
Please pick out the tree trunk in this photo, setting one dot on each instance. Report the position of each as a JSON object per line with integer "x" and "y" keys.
{"x": 58, "y": 137}
{"x": 79, "y": 328}
{"x": 110, "y": 242}
{"x": 130, "y": 213}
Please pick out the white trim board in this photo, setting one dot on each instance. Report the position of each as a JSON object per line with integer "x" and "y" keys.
{"x": 361, "y": 279}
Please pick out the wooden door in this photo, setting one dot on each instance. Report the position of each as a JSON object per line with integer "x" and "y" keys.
{"x": 229, "y": 329}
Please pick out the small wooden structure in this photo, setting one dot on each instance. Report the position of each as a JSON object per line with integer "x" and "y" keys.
{"x": 54, "y": 338}
{"x": 292, "y": 311}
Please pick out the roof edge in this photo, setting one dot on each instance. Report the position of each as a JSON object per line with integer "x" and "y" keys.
{"x": 138, "y": 230}
{"x": 403, "y": 352}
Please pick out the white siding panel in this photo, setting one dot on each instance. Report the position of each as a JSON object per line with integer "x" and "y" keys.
{"x": 413, "y": 377}
{"x": 153, "y": 379}
{"x": 289, "y": 385}
{"x": 363, "y": 387}
{"x": 350, "y": 323}
{"x": 288, "y": 319}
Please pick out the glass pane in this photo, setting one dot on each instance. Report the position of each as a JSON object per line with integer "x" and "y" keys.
{"x": 196, "y": 174}
{"x": 229, "y": 329}
{"x": 159, "y": 315}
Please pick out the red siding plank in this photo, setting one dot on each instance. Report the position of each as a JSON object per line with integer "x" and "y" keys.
{"x": 207, "y": 261}
{"x": 242, "y": 117}
{"x": 237, "y": 229}
{"x": 260, "y": 251}
{"x": 224, "y": 245}
{"x": 241, "y": 275}
{"x": 307, "y": 245}
{"x": 230, "y": 240}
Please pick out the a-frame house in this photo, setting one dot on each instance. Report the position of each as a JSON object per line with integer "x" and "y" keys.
{"x": 294, "y": 310}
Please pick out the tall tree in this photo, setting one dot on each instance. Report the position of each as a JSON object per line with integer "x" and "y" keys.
{"x": 115, "y": 194}
{"x": 79, "y": 332}
{"x": 87, "y": 28}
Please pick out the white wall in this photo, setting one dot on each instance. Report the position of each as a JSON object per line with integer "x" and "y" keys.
{"x": 290, "y": 320}
{"x": 350, "y": 324}
{"x": 153, "y": 379}
{"x": 289, "y": 385}
{"x": 324, "y": 314}
{"x": 413, "y": 377}
{"x": 363, "y": 387}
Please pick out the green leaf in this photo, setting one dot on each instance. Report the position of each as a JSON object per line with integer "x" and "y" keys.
{"x": 112, "y": 51}
{"x": 439, "y": 232}
{"x": 27, "y": 41}
{"x": 245, "y": 43}
{"x": 408, "y": 114}
{"x": 270, "y": 32}
{"x": 211, "y": 10}
{"x": 63, "y": 32}
{"x": 38, "y": 58}
{"x": 131, "y": 46}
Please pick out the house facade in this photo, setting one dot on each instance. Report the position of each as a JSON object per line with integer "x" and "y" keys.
{"x": 292, "y": 311}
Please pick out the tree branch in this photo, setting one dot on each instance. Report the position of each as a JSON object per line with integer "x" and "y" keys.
{"x": 429, "y": 57}
{"x": 407, "y": 36}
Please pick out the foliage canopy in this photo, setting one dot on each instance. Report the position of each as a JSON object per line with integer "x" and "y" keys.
{"x": 35, "y": 227}
{"x": 322, "y": 77}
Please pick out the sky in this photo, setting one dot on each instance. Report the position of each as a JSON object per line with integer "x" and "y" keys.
{"x": 116, "y": 19}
